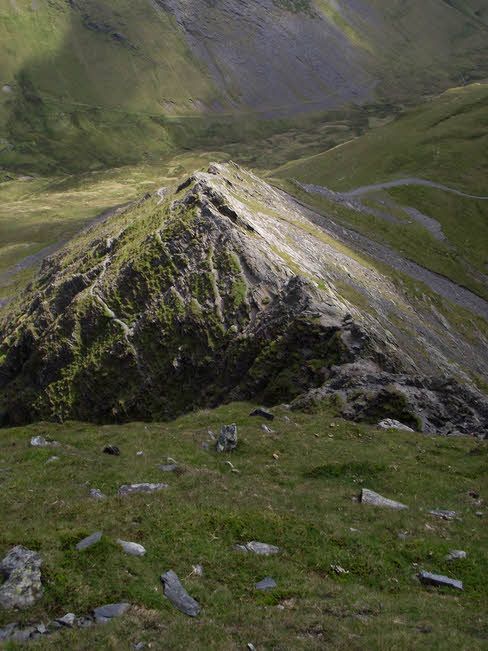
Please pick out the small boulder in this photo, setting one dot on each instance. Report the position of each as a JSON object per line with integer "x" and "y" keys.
{"x": 131, "y": 548}
{"x": 5, "y": 469}
{"x": 104, "y": 614}
{"x": 375, "y": 499}
{"x": 68, "y": 620}
{"x": 178, "y": 596}
{"x": 261, "y": 549}
{"x": 112, "y": 449}
{"x": 21, "y": 569}
{"x": 439, "y": 580}
{"x": 227, "y": 441}
{"x": 445, "y": 515}
{"x": 89, "y": 541}
{"x": 130, "y": 489}
{"x": 266, "y": 584}
{"x": 266, "y": 429}
{"x": 455, "y": 555}
{"x": 263, "y": 413}
{"x": 390, "y": 423}
{"x": 40, "y": 442}
{"x": 96, "y": 494}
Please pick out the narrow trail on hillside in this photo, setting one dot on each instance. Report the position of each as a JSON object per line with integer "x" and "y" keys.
{"x": 440, "y": 284}
{"x": 357, "y": 192}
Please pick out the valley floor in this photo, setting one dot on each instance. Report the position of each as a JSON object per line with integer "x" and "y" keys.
{"x": 345, "y": 572}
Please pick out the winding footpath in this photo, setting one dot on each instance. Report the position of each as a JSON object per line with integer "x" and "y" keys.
{"x": 409, "y": 181}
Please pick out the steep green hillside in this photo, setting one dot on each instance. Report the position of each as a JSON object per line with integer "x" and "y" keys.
{"x": 442, "y": 227}
{"x": 345, "y": 572}
{"x": 102, "y": 82}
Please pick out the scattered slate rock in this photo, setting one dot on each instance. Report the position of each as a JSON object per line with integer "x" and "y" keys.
{"x": 110, "y": 611}
{"x": 445, "y": 515}
{"x": 455, "y": 555}
{"x": 241, "y": 548}
{"x": 131, "y": 548}
{"x": 112, "y": 449}
{"x": 285, "y": 418}
{"x": 264, "y": 413}
{"x": 5, "y": 469}
{"x": 390, "y": 423}
{"x": 266, "y": 584}
{"x": 140, "y": 453}
{"x": 84, "y": 622}
{"x": 40, "y": 442}
{"x": 52, "y": 459}
{"x": 266, "y": 429}
{"x": 21, "y": 569}
{"x": 439, "y": 580}
{"x": 251, "y": 647}
{"x": 227, "y": 441}
{"x": 171, "y": 467}
{"x": 139, "y": 646}
{"x": 197, "y": 570}
{"x": 206, "y": 445}
{"x": 375, "y": 499}
{"x": 96, "y": 494}
{"x": 178, "y": 596}
{"x": 89, "y": 541}
{"x": 479, "y": 514}
{"x": 211, "y": 434}
{"x": 68, "y": 620}
{"x": 130, "y": 489}
{"x": 261, "y": 548}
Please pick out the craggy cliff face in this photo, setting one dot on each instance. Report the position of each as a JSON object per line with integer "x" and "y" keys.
{"x": 221, "y": 289}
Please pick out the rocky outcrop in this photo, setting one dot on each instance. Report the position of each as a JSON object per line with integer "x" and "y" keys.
{"x": 225, "y": 290}
{"x": 21, "y": 569}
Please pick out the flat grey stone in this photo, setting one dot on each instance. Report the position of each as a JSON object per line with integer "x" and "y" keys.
{"x": 52, "y": 459}
{"x": 266, "y": 429}
{"x": 402, "y": 536}
{"x": 103, "y": 620}
{"x": 84, "y": 622}
{"x": 198, "y": 570}
{"x": 130, "y": 489}
{"x": 445, "y": 515}
{"x": 5, "y": 469}
{"x": 439, "y": 580}
{"x": 266, "y": 584}
{"x": 139, "y": 646}
{"x": 227, "y": 441}
{"x": 131, "y": 548}
{"x": 455, "y": 555}
{"x": 262, "y": 548}
{"x": 172, "y": 467}
{"x": 8, "y": 631}
{"x": 178, "y": 596}
{"x": 110, "y": 611}
{"x": 21, "y": 569}
{"x": 390, "y": 423}
{"x": 375, "y": 499}
{"x": 96, "y": 494}
{"x": 89, "y": 541}
{"x": 263, "y": 413}
{"x": 40, "y": 442}
{"x": 241, "y": 548}
{"x": 68, "y": 620}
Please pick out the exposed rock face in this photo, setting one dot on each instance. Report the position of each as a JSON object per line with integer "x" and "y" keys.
{"x": 21, "y": 569}
{"x": 227, "y": 441}
{"x": 225, "y": 290}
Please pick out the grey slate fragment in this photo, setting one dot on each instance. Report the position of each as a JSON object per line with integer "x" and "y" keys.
{"x": 172, "y": 467}
{"x": 40, "y": 442}
{"x": 110, "y": 611}
{"x": 131, "y": 548}
{"x": 96, "y": 494}
{"x": 21, "y": 569}
{"x": 68, "y": 620}
{"x": 8, "y": 631}
{"x": 455, "y": 555}
{"x": 227, "y": 441}
{"x": 89, "y": 541}
{"x": 261, "y": 549}
{"x": 84, "y": 622}
{"x": 445, "y": 515}
{"x": 5, "y": 469}
{"x": 241, "y": 548}
{"x": 375, "y": 499}
{"x": 266, "y": 584}
{"x": 178, "y": 596}
{"x": 439, "y": 580}
{"x": 264, "y": 413}
{"x": 130, "y": 489}
{"x": 266, "y": 429}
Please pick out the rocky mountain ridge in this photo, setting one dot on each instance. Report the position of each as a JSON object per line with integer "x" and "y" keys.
{"x": 223, "y": 289}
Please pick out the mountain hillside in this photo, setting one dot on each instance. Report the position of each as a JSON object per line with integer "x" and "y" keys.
{"x": 225, "y": 288}
{"x": 73, "y": 70}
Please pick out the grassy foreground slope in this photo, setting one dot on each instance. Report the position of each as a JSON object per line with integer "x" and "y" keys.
{"x": 295, "y": 488}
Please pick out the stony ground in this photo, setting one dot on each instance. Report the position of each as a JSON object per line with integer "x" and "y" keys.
{"x": 345, "y": 572}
